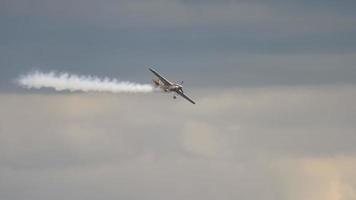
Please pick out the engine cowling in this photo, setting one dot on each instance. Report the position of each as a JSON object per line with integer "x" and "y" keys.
{"x": 156, "y": 82}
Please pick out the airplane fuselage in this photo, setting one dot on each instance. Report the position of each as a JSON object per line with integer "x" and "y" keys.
{"x": 167, "y": 88}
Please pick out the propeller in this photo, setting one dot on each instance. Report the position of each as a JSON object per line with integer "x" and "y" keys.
{"x": 181, "y": 83}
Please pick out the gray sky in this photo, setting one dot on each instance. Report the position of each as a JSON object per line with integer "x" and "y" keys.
{"x": 274, "y": 83}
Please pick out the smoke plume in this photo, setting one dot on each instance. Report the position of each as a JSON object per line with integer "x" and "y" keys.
{"x": 72, "y": 82}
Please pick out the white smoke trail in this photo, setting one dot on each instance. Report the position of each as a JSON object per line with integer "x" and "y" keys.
{"x": 72, "y": 82}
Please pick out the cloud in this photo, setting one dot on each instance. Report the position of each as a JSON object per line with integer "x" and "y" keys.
{"x": 204, "y": 140}
{"x": 283, "y": 119}
{"x": 283, "y": 142}
{"x": 319, "y": 179}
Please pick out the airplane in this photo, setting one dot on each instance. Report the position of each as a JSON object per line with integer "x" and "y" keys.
{"x": 168, "y": 86}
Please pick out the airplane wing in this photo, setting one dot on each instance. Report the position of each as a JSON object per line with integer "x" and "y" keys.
{"x": 164, "y": 80}
{"x": 185, "y": 96}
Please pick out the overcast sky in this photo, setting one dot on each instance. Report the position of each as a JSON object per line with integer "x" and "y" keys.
{"x": 274, "y": 83}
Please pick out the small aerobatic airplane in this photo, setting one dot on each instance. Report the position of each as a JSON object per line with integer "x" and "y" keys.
{"x": 168, "y": 86}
